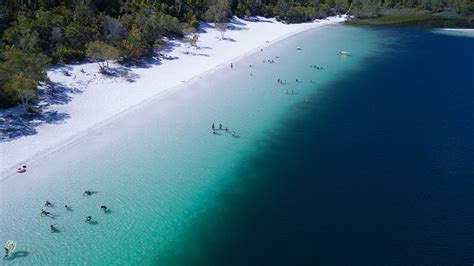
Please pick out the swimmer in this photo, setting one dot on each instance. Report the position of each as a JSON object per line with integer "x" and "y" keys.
{"x": 53, "y": 228}
{"x": 45, "y": 213}
{"x": 88, "y": 219}
{"x": 48, "y": 204}
{"x": 103, "y": 207}
{"x": 68, "y": 208}
{"x": 87, "y": 193}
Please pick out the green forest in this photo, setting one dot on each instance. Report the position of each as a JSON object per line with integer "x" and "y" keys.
{"x": 37, "y": 33}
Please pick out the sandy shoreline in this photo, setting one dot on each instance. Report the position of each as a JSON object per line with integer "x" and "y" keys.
{"x": 92, "y": 101}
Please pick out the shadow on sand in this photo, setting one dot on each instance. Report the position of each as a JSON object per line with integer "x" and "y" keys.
{"x": 14, "y": 123}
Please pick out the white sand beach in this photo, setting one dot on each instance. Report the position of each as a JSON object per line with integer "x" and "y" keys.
{"x": 90, "y": 100}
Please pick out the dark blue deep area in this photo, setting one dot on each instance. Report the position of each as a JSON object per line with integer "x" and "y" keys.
{"x": 378, "y": 170}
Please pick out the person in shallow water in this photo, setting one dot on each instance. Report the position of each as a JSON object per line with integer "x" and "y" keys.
{"x": 104, "y": 208}
{"x": 87, "y": 193}
{"x": 45, "y": 213}
{"x": 88, "y": 219}
{"x": 6, "y": 251}
{"x": 220, "y": 126}
{"x": 48, "y": 204}
{"x": 53, "y": 228}
{"x": 213, "y": 126}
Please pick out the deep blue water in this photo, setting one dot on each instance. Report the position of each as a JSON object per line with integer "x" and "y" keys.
{"x": 379, "y": 170}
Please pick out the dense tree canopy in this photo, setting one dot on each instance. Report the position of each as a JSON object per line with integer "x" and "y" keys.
{"x": 65, "y": 31}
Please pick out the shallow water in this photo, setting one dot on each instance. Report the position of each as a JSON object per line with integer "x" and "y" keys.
{"x": 377, "y": 171}
{"x": 159, "y": 169}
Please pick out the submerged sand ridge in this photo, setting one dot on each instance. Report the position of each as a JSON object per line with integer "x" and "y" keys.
{"x": 92, "y": 99}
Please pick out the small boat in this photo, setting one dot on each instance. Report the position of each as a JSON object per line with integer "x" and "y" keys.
{"x": 344, "y": 53}
{"x": 10, "y": 247}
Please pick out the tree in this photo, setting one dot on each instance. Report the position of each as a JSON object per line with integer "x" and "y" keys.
{"x": 102, "y": 53}
{"x": 16, "y": 61}
{"x": 194, "y": 22}
{"x": 221, "y": 27}
{"x": 219, "y": 11}
{"x": 23, "y": 88}
{"x": 191, "y": 38}
{"x": 20, "y": 73}
{"x": 190, "y": 41}
{"x": 113, "y": 30}
{"x": 135, "y": 47}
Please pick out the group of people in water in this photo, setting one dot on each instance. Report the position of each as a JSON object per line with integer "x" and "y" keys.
{"x": 220, "y": 127}
{"x": 88, "y": 219}
{"x": 317, "y": 67}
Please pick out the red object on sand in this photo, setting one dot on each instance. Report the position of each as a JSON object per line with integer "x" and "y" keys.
{"x": 20, "y": 170}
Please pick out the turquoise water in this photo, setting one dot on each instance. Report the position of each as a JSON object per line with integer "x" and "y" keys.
{"x": 159, "y": 168}
{"x": 378, "y": 171}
